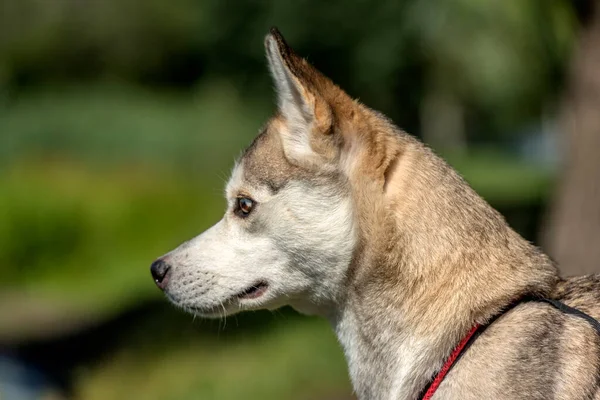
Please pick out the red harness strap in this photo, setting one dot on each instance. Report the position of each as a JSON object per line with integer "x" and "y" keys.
{"x": 478, "y": 329}
{"x": 449, "y": 363}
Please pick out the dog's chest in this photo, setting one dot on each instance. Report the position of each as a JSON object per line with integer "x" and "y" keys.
{"x": 364, "y": 366}
{"x": 381, "y": 364}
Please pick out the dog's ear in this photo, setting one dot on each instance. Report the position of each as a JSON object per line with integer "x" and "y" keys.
{"x": 302, "y": 103}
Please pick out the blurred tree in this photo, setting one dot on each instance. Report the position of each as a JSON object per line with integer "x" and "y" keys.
{"x": 454, "y": 70}
{"x": 573, "y": 234}
{"x": 502, "y": 60}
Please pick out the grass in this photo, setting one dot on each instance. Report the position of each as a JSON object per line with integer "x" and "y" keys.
{"x": 292, "y": 359}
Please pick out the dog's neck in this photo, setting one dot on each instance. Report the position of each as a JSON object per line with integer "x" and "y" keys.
{"x": 397, "y": 334}
{"x": 386, "y": 360}
{"x": 428, "y": 268}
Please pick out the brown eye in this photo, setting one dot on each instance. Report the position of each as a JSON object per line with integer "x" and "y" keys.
{"x": 244, "y": 206}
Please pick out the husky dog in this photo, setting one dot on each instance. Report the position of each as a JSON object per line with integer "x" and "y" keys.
{"x": 337, "y": 212}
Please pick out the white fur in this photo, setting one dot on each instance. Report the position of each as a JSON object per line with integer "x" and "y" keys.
{"x": 411, "y": 355}
{"x": 381, "y": 363}
{"x": 291, "y": 96}
{"x": 297, "y": 148}
{"x": 301, "y": 245}
{"x": 296, "y": 105}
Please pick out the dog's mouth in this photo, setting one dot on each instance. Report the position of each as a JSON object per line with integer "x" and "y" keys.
{"x": 254, "y": 291}
{"x": 219, "y": 310}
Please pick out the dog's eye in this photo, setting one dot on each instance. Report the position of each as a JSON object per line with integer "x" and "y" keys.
{"x": 244, "y": 206}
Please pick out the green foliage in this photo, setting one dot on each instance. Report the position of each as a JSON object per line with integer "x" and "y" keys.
{"x": 503, "y": 59}
{"x": 501, "y": 179}
{"x": 118, "y": 124}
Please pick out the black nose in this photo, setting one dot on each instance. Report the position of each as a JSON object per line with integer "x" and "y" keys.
{"x": 160, "y": 272}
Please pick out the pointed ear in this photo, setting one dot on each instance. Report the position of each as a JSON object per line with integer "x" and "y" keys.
{"x": 306, "y": 112}
{"x": 294, "y": 98}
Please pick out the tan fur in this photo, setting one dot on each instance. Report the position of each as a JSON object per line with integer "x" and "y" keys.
{"x": 434, "y": 259}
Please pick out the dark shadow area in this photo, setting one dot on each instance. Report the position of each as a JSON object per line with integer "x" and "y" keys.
{"x": 153, "y": 326}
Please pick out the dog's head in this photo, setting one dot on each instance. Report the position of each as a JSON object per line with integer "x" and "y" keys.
{"x": 290, "y": 230}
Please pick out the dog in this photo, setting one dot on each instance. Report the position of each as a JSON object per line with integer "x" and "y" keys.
{"x": 337, "y": 212}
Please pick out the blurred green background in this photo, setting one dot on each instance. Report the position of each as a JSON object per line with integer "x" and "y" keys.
{"x": 120, "y": 121}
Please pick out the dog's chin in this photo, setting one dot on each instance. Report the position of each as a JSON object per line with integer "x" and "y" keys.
{"x": 211, "y": 313}
{"x": 226, "y": 309}
{"x": 254, "y": 297}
